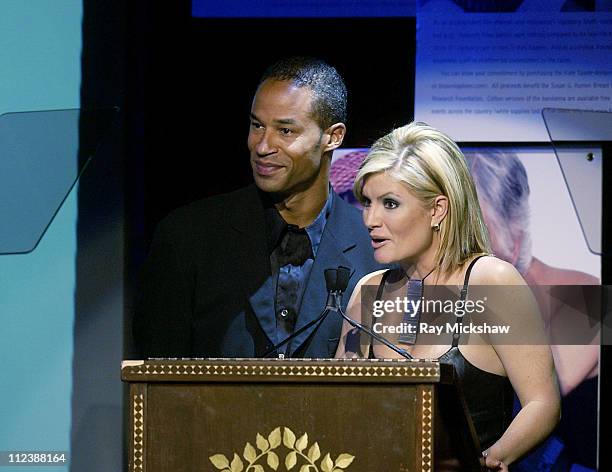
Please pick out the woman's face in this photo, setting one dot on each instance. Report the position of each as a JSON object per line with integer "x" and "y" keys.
{"x": 399, "y": 225}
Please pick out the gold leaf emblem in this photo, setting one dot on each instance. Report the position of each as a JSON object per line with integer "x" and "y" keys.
{"x": 219, "y": 461}
{"x": 288, "y": 438}
{"x": 326, "y": 464}
{"x": 296, "y": 456}
{"x": 273, "y": 460}
{"x": 291, "y": 460}
{"x": 249, "y": 452}
{"x": 274, "y": 438}
{"x": 343, "y": 461}
{"x": 301, "y": 443}
{"x": 314, "y": 453}
{"x": 236, "y": 465}
{"x": 261, "y": 442}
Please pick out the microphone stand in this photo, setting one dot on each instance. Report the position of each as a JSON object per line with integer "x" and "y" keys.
{"x": 336, "y": 281}
{"x": 337, "y": 307}
{"x": 389, "y": 344}
{"x": 333, "y": 304}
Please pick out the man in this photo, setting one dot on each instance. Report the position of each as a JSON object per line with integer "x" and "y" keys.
{"x": 234, "y": 275}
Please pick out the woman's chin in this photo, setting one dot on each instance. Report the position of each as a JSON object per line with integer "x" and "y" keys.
{"x": 383, "y": 258}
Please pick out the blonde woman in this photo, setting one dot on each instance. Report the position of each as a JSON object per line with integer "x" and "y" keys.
{"x": 422, "y": 212}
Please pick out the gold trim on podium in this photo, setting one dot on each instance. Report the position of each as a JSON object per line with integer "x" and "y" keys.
{"x": 138, "y": 428}
{"x": 365, "y": 370}
{"x": 427, "y": 394}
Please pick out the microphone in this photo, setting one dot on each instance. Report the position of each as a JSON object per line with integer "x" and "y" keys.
{"x": 378, "y": 337}
{"x": 336, "y": 281}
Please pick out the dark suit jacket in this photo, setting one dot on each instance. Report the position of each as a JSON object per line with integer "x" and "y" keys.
{"x": 207, "y": 289}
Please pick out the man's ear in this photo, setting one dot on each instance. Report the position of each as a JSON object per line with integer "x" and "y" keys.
{"x": 439, "y": 210}
{"x": 333, "y": 136}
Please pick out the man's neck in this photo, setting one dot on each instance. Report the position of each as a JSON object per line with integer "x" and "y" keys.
{"x": 302, "y": 208}
{"x": 535, "y": 270}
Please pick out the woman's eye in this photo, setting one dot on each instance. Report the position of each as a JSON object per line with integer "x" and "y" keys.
{"x": 285, "y": 131}
{"x": 365, "y": 203}
{"x": 390, "y": 204}
{"x": 256, "y": 125}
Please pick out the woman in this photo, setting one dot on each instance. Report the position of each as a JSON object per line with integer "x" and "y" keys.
{"x": 421, "y": 210}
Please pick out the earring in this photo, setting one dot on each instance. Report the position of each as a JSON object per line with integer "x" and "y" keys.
{"x": 436, "y": 227}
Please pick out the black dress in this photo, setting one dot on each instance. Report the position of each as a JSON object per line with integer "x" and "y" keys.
{"x": 489, "y": 396}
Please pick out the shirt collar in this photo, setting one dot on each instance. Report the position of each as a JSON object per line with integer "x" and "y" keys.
{"x": 315, "y": 229}
{"x": 276, "y": 225}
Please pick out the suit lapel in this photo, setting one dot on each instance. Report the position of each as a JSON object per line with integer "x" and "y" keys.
{"x": 252, "y": 260}
{"x": 330, "y": 255}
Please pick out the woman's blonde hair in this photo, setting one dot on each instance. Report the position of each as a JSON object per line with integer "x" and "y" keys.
{"x": 430, "y": 164}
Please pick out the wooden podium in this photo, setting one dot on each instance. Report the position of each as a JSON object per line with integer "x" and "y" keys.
{"x": 306, "y": 415}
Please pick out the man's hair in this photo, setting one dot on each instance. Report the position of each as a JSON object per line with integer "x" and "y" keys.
{"x": 501, "y": 183}
{"x": 430, "y": 164}
{"x": 328, "y": 88}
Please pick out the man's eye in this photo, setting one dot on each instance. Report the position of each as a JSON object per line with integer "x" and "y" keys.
{"x": 285, "y": 131}
{"x": 256, "y": 125}
{"x": 390, "y": 204}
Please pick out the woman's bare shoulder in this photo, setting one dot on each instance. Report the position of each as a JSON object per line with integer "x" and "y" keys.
{"x": 373, "y": 278}
{"x": 368, "y": 280}
{"x": 491, "y": 270}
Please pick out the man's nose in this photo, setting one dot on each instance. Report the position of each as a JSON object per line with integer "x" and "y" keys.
{"x": 265, "y": 145}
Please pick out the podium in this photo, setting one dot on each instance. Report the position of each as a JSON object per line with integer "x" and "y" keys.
{"x": 306, "y": 415}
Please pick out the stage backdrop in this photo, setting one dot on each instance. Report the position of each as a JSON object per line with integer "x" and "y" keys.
{"x": 485, "y": 69}
{"x": 40, "y": 47}
{"x": 61, "y": 305}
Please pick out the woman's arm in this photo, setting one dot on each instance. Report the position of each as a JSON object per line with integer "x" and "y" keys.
{"x": 533, "y": 378}
{"x": 529, "y": 367}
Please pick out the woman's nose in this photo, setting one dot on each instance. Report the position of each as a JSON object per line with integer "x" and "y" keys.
{"x": 371, "y": 216}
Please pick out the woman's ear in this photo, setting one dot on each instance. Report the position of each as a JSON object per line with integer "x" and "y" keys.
{"x": 439, "y": 210}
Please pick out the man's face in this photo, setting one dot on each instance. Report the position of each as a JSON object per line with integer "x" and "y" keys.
{"x": 285, "y": 142}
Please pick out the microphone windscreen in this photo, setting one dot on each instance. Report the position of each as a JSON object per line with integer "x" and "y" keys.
{"x": 342, "y": 278}
{"x": 330, "y": 279}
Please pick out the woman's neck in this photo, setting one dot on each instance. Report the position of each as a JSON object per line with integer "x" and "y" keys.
{"x": 420, "y": 269}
